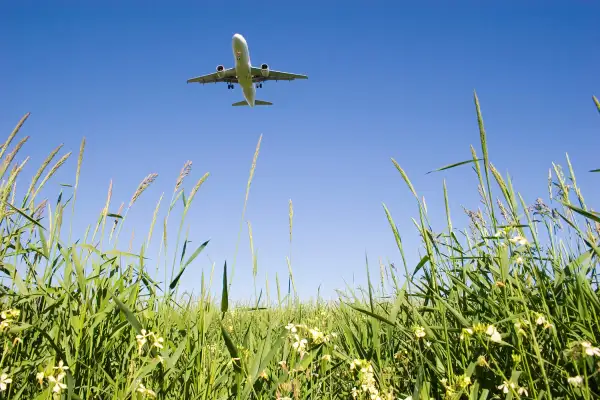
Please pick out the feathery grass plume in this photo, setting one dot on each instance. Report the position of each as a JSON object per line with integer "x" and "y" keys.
{"x": 39, "y": 172}
{"x": 12, "y": 181}
{"x": 144, "y": 184}
{"x": 185, "y": 171}
{"x": 13, "y": 134}
{"x": 252, "y": 169}
{"x": 105, "y": 211}
{"x": 77, "y": 175}
{"x": 10, "y": 156}
{"x": 195, "y": 190}
{"x": 597, "y": 103}
{"x": 49, "y": 175}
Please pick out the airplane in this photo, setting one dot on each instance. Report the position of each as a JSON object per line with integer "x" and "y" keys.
{"x": 247, "y": 76}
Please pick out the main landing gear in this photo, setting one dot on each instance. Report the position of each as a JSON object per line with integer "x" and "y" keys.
{"x": 259, "y": 85}
{"x": 229, "y": 86}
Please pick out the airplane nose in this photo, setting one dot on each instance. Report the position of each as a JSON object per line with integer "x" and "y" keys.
{"x": 237, "y": 38}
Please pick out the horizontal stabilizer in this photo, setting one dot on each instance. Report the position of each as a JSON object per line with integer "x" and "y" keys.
{"x": 256, "y": 103}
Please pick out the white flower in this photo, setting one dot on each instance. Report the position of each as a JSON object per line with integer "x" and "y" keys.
{"x": 589, "y": 350}
{"x": 4, "y": 381}
{"x": 58, "y": 385}
{"x": 520, "y": 240}
{"x": 522, "y": 391}
{"x": 575, "y": 380}
{"x": 506, "y": 386}
{"x": 494, "y": 334}
{"x": 291, "y": 327}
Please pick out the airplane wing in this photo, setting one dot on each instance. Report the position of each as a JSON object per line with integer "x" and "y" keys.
{"x": 275, "y": 75}
{"x": 227, "y": 75}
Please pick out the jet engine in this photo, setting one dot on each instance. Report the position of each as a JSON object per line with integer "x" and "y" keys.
{"x": 220, "y": 70}
{"x": 264, "y": 70}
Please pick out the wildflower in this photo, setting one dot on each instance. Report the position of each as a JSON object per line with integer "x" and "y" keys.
{"x": 317, "y": 336}
{"x": 158, "y": 342}
{"x": 519, "y": 260}
{"x": 575, "y": 380}
{"x": 520, "y": 240}
{"x": 541, "y": 320}
{"x": 141, "y": 339}
{"x": 494, "y": 334}
{"x": 40, "y": 377}
{"x": 589, "y": 350}
{"x": 419, "y": 332}
{"x": 10, "y": 313}
{"x": 482, "y": 362}
{"x": 516, "y": 358}
{"x": 500, "y": 284}
{"x": 4, "y": 381}
{"x": 522, "y": 391}
{"x": 326, "y": 357}
{"x": 520, "y": 330}
{"x": 291, "y": 327}
{"x": 506, "y": 386}
{"x": 145, "y": 391}
{"x": 300, "y": 345}
{"x": 264, "y": 375}
{"x": 61, "y": 368}
{"x": 58, "y": 385}
{"x": 464, "y": 381}
{"x": 466, "y": 332}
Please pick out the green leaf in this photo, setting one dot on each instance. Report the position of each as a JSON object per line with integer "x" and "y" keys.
{"x": 192, "y": 257}
{"x": 224, "y": 295}
{"x": 453, "y": 165}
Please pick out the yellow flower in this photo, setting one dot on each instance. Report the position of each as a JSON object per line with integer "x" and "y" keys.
{"x": 419, "y": 332}
{"x": 326, "y": 357}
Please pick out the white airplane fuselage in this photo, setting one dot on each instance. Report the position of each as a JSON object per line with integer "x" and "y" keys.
{"x": 243, "y": 67}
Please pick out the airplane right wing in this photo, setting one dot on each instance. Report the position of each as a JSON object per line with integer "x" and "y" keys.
{"x": 275, "y": 75}
{"x": 227, "y": 75}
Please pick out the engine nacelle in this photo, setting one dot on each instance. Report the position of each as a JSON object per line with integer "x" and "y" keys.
{"x": 264, "y": 70}
{"x": 220, "y": 70}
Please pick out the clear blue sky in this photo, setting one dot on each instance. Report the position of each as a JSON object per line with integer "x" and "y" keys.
{"x": 386, "y": 79}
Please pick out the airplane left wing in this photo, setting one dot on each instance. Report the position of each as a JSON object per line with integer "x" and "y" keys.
{"x": 227, "y": 75}
{"x": 257, "y": 73}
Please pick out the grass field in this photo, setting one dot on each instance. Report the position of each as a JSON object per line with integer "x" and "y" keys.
{"x": 507, "y": 307}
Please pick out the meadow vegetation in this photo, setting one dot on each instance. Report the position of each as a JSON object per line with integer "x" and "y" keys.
{"x": 506, "y": 307}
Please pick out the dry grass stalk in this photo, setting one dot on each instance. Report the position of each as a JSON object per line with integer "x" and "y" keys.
{"x": 142, "y": 187}
{"x": 185, "y": 171}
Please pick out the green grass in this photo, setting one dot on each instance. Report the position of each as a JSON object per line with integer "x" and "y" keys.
{"x": 506, "y": 307}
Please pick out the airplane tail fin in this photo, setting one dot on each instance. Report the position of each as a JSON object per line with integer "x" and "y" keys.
{"x": 256, "y": 103}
